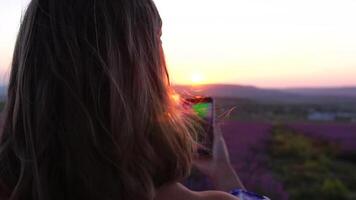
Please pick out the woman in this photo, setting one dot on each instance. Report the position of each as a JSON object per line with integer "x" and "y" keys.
{"x": 89, "y": 113}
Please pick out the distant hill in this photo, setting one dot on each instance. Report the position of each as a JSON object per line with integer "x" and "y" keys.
{"x": 291, "y": 95}
{"x": 233, "y": 91}
{"x": 342, "y": 91}
{"x": 314, "y": 95}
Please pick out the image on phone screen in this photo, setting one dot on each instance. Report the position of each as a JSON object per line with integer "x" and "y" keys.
{"x": 203, "y": 107}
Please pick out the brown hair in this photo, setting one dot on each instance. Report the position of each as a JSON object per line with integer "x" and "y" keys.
{"x": 89, "y": 113}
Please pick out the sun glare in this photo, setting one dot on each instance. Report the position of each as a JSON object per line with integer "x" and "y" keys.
{"x": 197, "y": 78}
{"x": 176, "y": 97}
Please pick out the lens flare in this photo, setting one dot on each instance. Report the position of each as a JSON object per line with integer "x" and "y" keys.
{"x": 176, "y": 98}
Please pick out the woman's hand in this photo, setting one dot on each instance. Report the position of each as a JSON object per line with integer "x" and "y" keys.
{"x": 218, "y": 167}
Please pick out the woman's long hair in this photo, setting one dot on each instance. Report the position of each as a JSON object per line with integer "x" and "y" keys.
{"x": 89, "y": 113}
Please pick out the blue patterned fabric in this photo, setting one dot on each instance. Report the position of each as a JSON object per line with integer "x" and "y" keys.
{"x": 245, "y": 195}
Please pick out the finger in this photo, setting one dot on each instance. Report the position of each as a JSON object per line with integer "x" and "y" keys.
{"x": 217, "y": 130}
{"x": 220, "y": 151}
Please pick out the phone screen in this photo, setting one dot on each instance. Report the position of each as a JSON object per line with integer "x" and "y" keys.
{"x": 203, "y": 107}
{"x": 203, "y": 110}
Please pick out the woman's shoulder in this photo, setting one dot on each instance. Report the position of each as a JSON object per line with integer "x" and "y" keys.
{"x": 180, "y": 192}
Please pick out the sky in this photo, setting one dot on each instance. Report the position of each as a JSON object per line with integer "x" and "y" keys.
{"x": 265, "y": 43}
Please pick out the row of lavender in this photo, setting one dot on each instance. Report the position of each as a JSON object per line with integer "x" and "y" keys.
{"x": 344, "y": 135}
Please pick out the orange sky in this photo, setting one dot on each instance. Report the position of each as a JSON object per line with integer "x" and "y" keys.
{"x": 275, "y": 43}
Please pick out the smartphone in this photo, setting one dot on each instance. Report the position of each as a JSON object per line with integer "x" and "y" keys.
{"x": 203, "y": 108}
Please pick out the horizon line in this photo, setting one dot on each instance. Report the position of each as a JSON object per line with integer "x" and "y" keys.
{"x": 255, "y": 86}
{"x": 262, "y": 87}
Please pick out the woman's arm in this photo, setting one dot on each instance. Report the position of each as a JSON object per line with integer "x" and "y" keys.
{"x": 218, "y": 168}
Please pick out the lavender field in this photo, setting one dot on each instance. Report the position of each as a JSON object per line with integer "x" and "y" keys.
{"x": 249, "y": 144}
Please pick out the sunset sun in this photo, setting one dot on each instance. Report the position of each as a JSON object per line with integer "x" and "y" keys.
{"x": 197, "y": 78}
